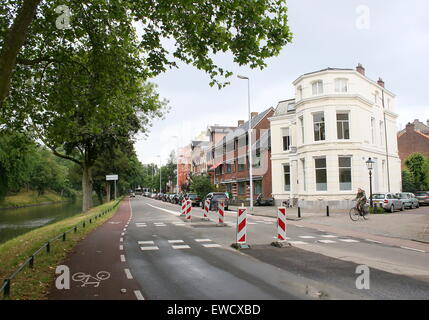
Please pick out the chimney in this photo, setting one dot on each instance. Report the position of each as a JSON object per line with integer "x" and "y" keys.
{"x": 240, "y": 123}
{"x": 253, "y": 114}
{"x": 410, "y": 127}
{"x": 380, "y": 82}
{"x": 360, "y": 69}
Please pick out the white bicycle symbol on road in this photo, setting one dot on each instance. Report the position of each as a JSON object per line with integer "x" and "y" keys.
{"x": 87, "y": 279}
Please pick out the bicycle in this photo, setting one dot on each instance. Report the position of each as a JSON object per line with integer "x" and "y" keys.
{"x": 355, "y": 213}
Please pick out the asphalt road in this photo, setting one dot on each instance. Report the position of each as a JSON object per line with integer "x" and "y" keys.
{"x": 173, "y": 259}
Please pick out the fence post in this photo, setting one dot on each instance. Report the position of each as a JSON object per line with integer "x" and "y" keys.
{"x": 48, "y": 247}
{"x": 75, "y": 229}
{"x": 6, "y": 292}
{"x": 84, "y": 224}
{"x": 64, "y": 236}
{"x": 31, "y": 262}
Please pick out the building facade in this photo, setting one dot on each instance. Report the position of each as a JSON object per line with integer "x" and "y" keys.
{"x": 322, "y": 138}
{"x": 230, "y": 162}
{"x": 414, "y": 138}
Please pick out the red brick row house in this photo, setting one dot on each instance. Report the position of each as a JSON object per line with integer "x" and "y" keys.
{"x": 414, "y": 138}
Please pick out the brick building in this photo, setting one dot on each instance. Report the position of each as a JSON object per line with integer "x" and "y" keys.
{"x": 414, "y": 138}
{"x": 230, "y": 162}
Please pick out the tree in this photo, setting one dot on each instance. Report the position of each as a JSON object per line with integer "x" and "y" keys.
{"x": 91, "y": 98}
{"x": 408, "y": 182}
{"x": 201, "y": 185}
{"x": 252, "y": 30}
{"x": 418, "y": 167}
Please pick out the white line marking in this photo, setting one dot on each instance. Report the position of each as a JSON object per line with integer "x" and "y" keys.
{"x": 121, "y": 239}
{"x": 326, "y": 241}
{"x": 123, "y": 233}
{"x": 149, "y": 248}
{"x": 251, "y": 223}
{"x": 175, "y": 241}
{"x": 418, "y": 250}
{"x": 211, "y": 245}
{"x": 203, "y": 240}
{"x": 299, "y": 226}
{"x": 145, "y": 242}
{"x": 138, "y": 294}
{"x": 121, "y": 247}
{"x": 329, "y": 236}
{"x": 297, "y": 242}
{"x": 165, "y": 210}
{"x": 370, "y": 240}
{"x": 348, "y": 240}
{"x": 128, "y": 273}
{"x": 307, "y": 237}
{"x": 122, "y": 258}
{"x": 185, "y": 246}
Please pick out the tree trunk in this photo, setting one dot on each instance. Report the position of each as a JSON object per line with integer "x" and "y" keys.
{"x": 13, "y": 43}
{"x": 86, "y": 188}
{"x": 107, "y": 191}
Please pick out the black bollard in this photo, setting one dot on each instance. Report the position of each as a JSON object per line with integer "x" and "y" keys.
{"x": 299, "y": 212}
{"x": 327, "y": 211}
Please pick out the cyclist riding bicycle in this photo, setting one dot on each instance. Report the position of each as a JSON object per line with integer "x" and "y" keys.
{"x": 361, "y": 200}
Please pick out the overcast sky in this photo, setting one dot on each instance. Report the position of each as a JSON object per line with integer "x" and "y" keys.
{"x": 327, "y": 33}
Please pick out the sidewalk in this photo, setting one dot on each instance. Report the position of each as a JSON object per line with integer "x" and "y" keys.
{"x": 101, "y": 252}
{"x": 412, "y": 225}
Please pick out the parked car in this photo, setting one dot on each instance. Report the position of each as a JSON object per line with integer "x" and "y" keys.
{"x": 423, "y": 197}
{"x": 215, "y": 198}
{"x": 195, "y": 199}
{"x": 388, "y": 201}
{"x": 408, "y": 199}
{"x": 132, "y": 195}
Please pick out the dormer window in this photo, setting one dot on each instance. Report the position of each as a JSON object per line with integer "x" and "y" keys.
{"x": 300, "y": 92}
{"x": 317, "y": 87}
{"x": 341, "y": 85}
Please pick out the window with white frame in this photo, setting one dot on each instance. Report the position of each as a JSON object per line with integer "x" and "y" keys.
{"x": 381, "y": 132}
{"x": 321, "y": 174}
{"x": 319, "y": 126}
{"x": 286, "y": 139}
{"x": 286, "y": 173}
{"x": 345, "y": 173}
{"x": 317, "y": 87}
{"x": 341, "y": 85}
{"x": 301, "y": 122}
{"x": 343, "y": 126}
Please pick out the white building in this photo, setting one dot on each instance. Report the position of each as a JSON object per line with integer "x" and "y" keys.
{"x": 322, "y": 138}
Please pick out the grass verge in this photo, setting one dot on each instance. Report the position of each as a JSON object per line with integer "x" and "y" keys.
{"x": 33, "y": 284}
{"x": 28, "y": 198}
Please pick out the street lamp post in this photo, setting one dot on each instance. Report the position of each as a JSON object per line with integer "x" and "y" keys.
{"x": 160, "y": 171}
{"x": 370, "y": 165}
{"x": 250, "y": 141}
{"x": 177, "y": 165}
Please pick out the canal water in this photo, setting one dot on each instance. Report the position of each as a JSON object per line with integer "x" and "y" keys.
{"x": 14, "y": 222}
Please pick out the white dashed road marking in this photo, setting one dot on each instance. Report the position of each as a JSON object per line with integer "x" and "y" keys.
{"x": 211, "y": 245}
{"x": 145, "y": 242}
{"x": 327, "y": 241}
{"x": 121, "y": 247}
{"x": 348, "y": 240}
{"x": 329, "y": 236}
{"x": 297, "y": 242}
{"x": 184, "y": 246}
{"x": 122, "y": 258}
{"x": 138, "y": 294}
{"x": 175, "y": 241}
{"x": 149, "y": 248}
{"x": 307, "y": 237}
{"x": 128, "y": 274}
{"x": 203, "y": 240}
{"x": 121, "y": 239}
{"x": 375, "y": 241}
{"x": 418, "y": 250}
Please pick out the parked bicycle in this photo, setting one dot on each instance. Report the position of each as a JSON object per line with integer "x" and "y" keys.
{"x": 355, "y": 213}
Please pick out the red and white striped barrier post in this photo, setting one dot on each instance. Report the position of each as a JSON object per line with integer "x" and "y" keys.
{"x": 281, "y": 228}
{"x": 183, "y": 207}
{"x": 221, "y": 214}
{"x": 241, "y": 229}
{"x": 206, "y": 210}
{"x": 188, "y": 211}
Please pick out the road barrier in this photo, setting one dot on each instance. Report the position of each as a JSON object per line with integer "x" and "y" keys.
{"x": 241, "y": 228}
{"x": 221, "y": 214}
{"x": 188, "y": 211}
{"x": 5, "y": 288}
{"x": 206, "y": 209}
{"x": 183, "y": 207}
{"x": 281, "y": 224}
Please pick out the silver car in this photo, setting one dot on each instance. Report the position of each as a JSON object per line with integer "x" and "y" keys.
{"x": 408, "y": 199}
{"x": 388, "y": 201}
{"x": 423, "y": 197}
